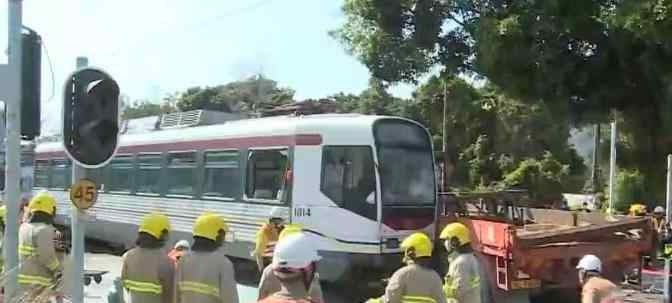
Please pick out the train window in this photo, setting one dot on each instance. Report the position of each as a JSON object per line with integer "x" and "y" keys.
{"x": 181, "y": 172}
{"x": 149, "y": 173}
{"x": 42, "y": 173}
{"x": 222, "y": 174}
{"x": 348, "y": 177}
{"x": 265, "y": 174}
{"x": 61, "y": 174}
{"x": 121, "y": 171}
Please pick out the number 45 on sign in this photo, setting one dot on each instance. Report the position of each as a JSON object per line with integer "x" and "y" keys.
{"x": 83, "y": 194}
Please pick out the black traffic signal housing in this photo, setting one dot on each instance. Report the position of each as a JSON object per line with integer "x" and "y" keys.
{"x": 91, "y": 117}
{"x": 31, "y": 75}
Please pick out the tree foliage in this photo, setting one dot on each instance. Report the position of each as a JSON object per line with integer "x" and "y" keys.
{"x": 249, "y": 95}
{"x": 546, "y": 176}
{"x": 584, "y": 60}
{"x": 145, "y": 108}
{"x": 629, "y": 188}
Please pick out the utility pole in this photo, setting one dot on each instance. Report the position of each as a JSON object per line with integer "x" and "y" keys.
{"x": 13, "y": 147}
{"x": 444, "y": 177}
{"x": 78, "y": 226}
{"x": 668, "y": 216}
{"x": 612, "y": 168}
{"x": 596, "y": 148}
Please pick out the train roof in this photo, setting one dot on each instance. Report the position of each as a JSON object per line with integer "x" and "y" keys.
{"x": 323, "y": 124}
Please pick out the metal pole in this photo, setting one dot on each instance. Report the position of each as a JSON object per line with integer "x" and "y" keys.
{"x": 78, "y": 225}
{"x": 668, "y": 203}
{"x": 13, "y": 148}
{"x": 612, "y": 168}
{"x": 444, "y": 171}
{"x": 596, "y": 147}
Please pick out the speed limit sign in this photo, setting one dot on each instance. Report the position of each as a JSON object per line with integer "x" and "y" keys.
{"x": 83, "y": 194}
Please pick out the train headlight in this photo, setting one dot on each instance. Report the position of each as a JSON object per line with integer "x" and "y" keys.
{"x": 392, "y": 243}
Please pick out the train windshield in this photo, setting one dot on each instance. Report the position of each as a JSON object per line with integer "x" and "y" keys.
{"x": 405, "y": 163}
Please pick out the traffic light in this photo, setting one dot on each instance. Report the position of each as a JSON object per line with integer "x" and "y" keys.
{"x": 91, "y": 117}
{"x": 31, "y": 74}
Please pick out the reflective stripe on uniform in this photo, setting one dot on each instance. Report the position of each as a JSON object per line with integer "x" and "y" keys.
{"x": 26, "y": 250}
{"x": 417, "y": 299}
{"x": 200, "y": 288}
{"x": 449, "y": 290}
{"x": 34, "y": 280}
{"x": 140, "y": 286}
{"x": 53, "y": 265}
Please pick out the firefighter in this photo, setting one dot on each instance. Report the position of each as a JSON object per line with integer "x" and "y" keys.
{"x": 270, "y": 284}
{"x": 267, "y": 236}
{"x": 147, "y": 273}
{"x": 595, "y": 288}
{"x": 181, "y": 248}
{"x": 637, "y": 210}
{"x": 416, "y": 282}
{"x": 462, "y": 282}
{"x": 659, "y": 220}
{"x": 205, "y": 274}
{"x": 40, "y": 270}
{"x": 294, "y": 264}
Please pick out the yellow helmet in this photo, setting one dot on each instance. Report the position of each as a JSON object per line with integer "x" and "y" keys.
{"x": 456, "y": 230}
{"x": 290, "y": 229}
{"x": 154, "y": 224}
{"x": 3, "y": 212}
{"x": 637, "y": 209}
{"x": 208, "y": 226}
{"x": 43, "y": 202}
{"x": 420, "y": 244}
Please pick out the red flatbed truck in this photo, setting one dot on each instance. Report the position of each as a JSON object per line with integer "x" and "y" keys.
{"x": 529, "y": 253}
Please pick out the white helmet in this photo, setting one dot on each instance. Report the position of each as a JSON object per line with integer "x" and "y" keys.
{"x": 295, "y": 251}
{"x": 183, "y": 244}
{"x": 590, "y": 263}
{"x": 658, "y": 210}
{"x": 276, "y": 212}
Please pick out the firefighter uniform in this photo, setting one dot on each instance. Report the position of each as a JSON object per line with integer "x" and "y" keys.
{"x": 270, "y": 284}
{"x": 463, "y": 279}
{"x": 147, "y": 273}
{"x": 206, "y": 276}
{"x": 294, "y": 263}
{"x": 462, "y": 282}
{"x": 414, "y": 283}
{"x": 39, "y": 269}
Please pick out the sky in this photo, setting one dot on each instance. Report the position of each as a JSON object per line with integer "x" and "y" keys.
{"x": 154, "y": 47}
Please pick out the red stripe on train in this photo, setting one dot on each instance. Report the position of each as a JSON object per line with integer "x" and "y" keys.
{"x": 266, "y": 141}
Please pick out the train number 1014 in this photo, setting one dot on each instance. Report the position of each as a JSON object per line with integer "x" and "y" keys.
{"x": 302, "y": 212}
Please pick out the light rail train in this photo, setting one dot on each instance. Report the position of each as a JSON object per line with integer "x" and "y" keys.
{"x": 362, "y": 183}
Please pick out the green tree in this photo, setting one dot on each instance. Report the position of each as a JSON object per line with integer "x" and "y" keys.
{"x": 629, "y": 187}
{"x": 249, "y": 95}
{"x": 546, "y": 177}
{"x": 584, "y": 59}
{"x": 145, "y": 108}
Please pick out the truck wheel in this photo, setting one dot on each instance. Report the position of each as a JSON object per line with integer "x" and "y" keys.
{"x": 98, "y": 279}
{"x": 87, "y": 281}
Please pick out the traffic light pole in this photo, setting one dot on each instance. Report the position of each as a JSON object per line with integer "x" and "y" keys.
{"x": 13, "y": 149}
{"x": 78, "y": 225}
